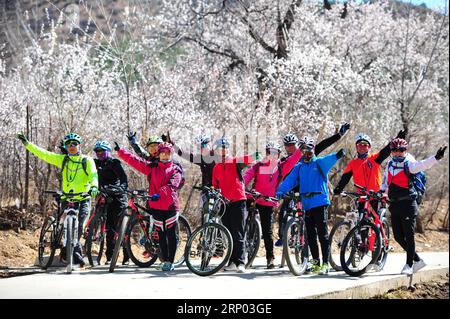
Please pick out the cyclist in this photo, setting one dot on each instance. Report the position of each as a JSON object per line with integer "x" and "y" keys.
{"x": 227, "y": 177}
{"x": 311, "y": 175}
{"x": 266, "y": 176}
{"x": 402, "y": 196}
{"x": 79, "y": 175}
{"x": 110, "y": 172}
{"x": 150, "y": 153}
{"x": 287, "y": 163}
{"x": 164, "y": 180}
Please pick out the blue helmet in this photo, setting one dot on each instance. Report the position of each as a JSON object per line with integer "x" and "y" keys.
{"x": 222, "y": 143}
{"x": 72, "y": 137}
{"x": 103, "y": 145}
{"x": 202, "y": 140}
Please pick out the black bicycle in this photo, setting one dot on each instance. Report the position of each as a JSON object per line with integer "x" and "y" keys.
{"x": 209, "y": 248}
{"x": 253, "y": 230}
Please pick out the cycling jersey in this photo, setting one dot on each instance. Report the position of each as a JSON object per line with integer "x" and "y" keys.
{"x": 73, "y": 176}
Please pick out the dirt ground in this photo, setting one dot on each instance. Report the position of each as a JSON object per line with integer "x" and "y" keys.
{"x": 437, "y": 289}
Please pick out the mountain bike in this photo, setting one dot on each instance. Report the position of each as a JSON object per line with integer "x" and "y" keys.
{"x": 210, "y": 246}
{"x": 368, "y": 242}
{"x": 253, "y": 228}
{"x": 95, "y": 229}
{"x": 60, "y": 231}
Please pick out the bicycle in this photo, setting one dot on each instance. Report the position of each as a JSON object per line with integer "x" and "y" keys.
{"x": 140, "y": 236}
{"x": 210, "y": 246}
{"x": 368, "y": 242}
{"x": 340, "y": 230}
{"x": 61, "y": 229}
{"x": 253, "y": 230}
{"x": 95, "y": 229}
{"x": 295, "y": 240}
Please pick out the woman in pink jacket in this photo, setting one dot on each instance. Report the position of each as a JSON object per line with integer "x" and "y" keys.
{"x": 164, "y": 179}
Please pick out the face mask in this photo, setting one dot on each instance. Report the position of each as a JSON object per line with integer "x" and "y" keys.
{"x": 398, "y": 159}
{"x": 363, "y": 156}
{"x": 104, "y": 155}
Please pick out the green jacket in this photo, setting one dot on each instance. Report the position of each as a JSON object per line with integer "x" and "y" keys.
{"x": 73, "y": 176}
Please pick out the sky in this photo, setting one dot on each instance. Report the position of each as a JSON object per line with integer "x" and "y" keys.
{"x": 432, "y": 4}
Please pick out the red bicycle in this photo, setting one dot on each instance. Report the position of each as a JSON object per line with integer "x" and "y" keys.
{"x": 368, "y": 242}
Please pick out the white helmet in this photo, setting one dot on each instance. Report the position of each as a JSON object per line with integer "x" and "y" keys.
{"x": 363, "y": 137}
{"x": 308, "y": 142}
{"x": 273, "y": 146}
{"x": 290, "y": 138}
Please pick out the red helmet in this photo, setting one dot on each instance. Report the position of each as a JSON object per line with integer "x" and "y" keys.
{"x": 164, "y": 147}
{"x": 398, "y": 144}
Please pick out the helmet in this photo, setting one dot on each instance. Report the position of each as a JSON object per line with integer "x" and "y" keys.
{"x": 202, "y": 139}
{"x": 363, "y": 137}
{"x": 290, "y": 139}
{"x": 72, "y": 137}
{"x": 165, "y": 147}
{"x": 398, "y": 143}
{"x": 307, "y": 142}
{"x": 222, "y": 143}
{"x": 103, "y": 145}
{"x": 154, "y": 139}
{"x": 273, "y": 146}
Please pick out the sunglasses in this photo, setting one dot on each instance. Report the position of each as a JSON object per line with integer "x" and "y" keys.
{"x": 398, "y": 149}
{"x": 72, "y": 144}
{"x": 307, "y": 150}
{"x": 363, "y": 144}
{"x": 99, "y": 150}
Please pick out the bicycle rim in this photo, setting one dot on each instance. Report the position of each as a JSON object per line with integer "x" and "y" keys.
{"x": 295, "y": 246}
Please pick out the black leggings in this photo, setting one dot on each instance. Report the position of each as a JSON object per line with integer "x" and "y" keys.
{"x": 403, "y": 217}
{"x": 265, "y": 213}
{"x": 316, "y": 224}
{"x": 166, "y": 224}
{"x": 234, "y": 220}
{"x": 113, "y": 221}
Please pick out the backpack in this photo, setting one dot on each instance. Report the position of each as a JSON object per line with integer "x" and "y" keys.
{"x": 83, "y": 164}
{"x": 417, "y": 182}
{"x": 183, "y": 178}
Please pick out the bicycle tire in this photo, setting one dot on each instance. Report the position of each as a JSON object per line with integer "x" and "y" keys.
{"x": 94, "y": 230}
{"x": 69, "y": 244}
{"x": 185, "y": 229}
{"x": 118, "y": 244}
{"x": 381, "y": 261}
{"x": 47, "y": 227}
{"x": 211, "y": 230}
{"x": 333, "y": 262}
{"x": 297, "y": 242}
{"x": 148, "y": 244}
{"x": 252, "y": 240}
{"x": 352, "y": 240}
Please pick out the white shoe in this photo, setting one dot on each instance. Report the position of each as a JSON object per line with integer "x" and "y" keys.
{"x": 241, "y": 269}
{"x": 418, "y": 265}
{"x": 407, "y": 270}
{"x": 231, "y": 267}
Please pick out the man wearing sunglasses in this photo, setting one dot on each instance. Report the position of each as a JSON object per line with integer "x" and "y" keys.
{"x": 398, "y": 181}
{"x": 79, "y": 175}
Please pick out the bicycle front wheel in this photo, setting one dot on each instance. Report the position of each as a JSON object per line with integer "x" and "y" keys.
{"x": 252, "y": 240}
{"x": 141, "y": 249}
{"x": 208, "y": 249}
{"x": 119, "y": 241}
{"x": 69, "y": 244}
{"x": 47, "y": 247}
{"x": 295, "y": 246}
{"x": 360, "y": 248}
{"x": 95, "y": 242}
{"x": 183, "y": 232}
{"x": 384, "y": 245}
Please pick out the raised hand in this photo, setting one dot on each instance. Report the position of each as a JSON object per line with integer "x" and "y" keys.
{"x": 344, "y": 128}
{"x": 117, "y": 147}
{"x": 440, "y": 153}
{"x": 340, "y": 153}
{"x": 132, "y": 137}
{"x": 23, "y": 138}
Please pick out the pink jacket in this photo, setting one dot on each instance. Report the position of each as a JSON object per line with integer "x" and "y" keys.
{"x": 267, "y": 176}
{"x": 164, "y": 179}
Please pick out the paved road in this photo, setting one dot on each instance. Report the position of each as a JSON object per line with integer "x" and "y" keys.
{"x": 131, "y": 282}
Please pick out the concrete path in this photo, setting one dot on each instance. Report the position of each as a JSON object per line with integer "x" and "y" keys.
{"x": 132, "y": 282}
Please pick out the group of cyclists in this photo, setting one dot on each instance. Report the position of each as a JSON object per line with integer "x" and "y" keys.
{"x": 302, "y": 170}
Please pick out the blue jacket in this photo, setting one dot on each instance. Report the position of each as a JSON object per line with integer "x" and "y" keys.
{"x": 312, "y": 177}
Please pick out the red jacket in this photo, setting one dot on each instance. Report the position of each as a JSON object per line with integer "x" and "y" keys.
{"x": 225, "y": 177}
{"x": 164, "y": 179}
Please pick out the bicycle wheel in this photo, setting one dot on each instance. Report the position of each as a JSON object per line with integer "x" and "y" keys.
{"x": 140, "y": 247}
{"x": 119, "y": 241}
{"x": 361, "y": 247}
{"x": 384, "y": 245}
{"x": 95, "y": 242}
{"x": 69, "y": 244}
{"x": 337, "y": 235}
{"x": 295, "y": 246}
{"x": 252, "y": 240}
{"x": 47, "y": 247}
{"x": 183, "y": 232}
{"x": 208, "y": 249}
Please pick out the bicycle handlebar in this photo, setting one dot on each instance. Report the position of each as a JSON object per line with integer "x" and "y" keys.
{"x": 214, "y": 192}
{"x": 259, "y": 195}
{"x": 370, "y": 193}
